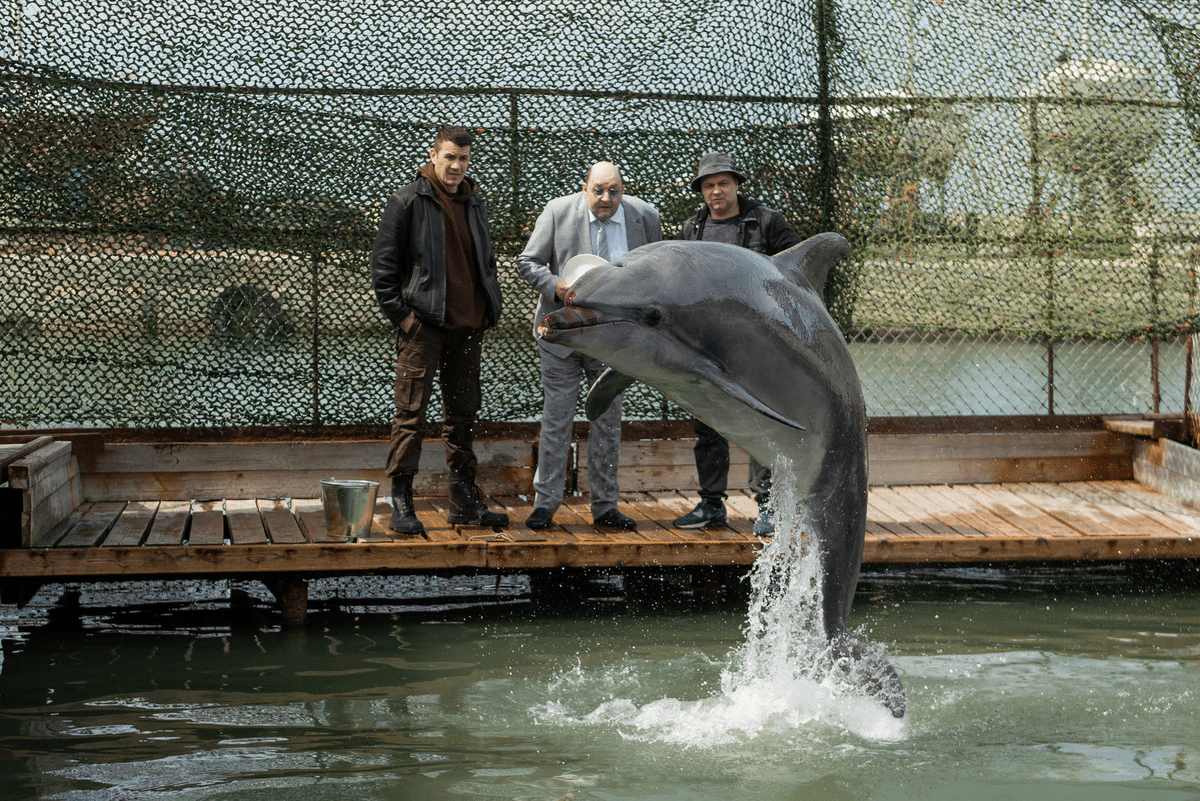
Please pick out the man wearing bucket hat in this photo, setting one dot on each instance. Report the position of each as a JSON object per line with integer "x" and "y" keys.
{"x": 434, "y": 275}
{"x": 733, "y": 218}
{"x": 600, "y": 220}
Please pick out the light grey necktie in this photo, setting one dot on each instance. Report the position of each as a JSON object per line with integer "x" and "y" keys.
{"x": 602, "y": 240}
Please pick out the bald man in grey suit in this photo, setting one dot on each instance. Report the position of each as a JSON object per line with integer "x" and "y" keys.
{"x": 602, "y": 220}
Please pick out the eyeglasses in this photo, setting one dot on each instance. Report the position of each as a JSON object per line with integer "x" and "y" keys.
{"x": 600, "y": 191}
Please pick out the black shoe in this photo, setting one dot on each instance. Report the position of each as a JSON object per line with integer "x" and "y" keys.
{"x": 540, "y": 519}
{"x": 466, "y": 505}
{"x": 404, "y": 517}
{"x": 707, "y": 514}
{"x": 614, "y": 519}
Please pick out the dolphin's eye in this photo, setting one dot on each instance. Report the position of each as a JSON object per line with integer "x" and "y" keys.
{"x": 653, "y": 317}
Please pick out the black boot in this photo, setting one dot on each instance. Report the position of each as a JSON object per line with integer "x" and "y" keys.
{"x": 466, "y": 505}
{"x": 404, "y": 517}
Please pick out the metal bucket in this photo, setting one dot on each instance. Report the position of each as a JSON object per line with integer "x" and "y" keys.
{"x": 349, "y": 506}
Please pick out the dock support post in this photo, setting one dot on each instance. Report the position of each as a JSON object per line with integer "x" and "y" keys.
{"x": 291, "y": 593}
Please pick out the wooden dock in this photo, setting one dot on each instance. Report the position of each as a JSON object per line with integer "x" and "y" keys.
{"x": 1083, "y": 491}
{"x": 1101, "y": 520}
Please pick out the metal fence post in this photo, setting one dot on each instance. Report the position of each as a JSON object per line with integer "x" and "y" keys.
{"x": 316, "y": 339}
{"x": 826, "y": 168}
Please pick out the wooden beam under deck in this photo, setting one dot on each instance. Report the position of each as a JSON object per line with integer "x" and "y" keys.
{"x": 1105, "y": 520}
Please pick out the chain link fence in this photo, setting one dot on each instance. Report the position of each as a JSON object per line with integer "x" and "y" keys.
{"x": 188, "y": 197}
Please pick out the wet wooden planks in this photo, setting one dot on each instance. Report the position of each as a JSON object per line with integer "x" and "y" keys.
{"x": 1085, "y": 520}
{"x": 1082, "y": 520}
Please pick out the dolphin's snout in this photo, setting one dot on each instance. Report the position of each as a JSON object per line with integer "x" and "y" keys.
{"x": 566, "y": 318}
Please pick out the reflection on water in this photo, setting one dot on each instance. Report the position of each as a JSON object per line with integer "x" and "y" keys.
{"x": 1031, "y": 683}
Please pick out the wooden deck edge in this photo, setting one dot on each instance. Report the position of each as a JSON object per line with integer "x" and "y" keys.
{"x": 118, "y": 563}
{"x": 1030, "y": 549}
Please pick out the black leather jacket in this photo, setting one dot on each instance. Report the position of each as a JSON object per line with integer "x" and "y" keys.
{"x": 408, "y": 261}
{"x": 760, "y": 228}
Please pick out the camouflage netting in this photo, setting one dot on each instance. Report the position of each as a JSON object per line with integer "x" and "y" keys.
{"x": 188, "y": 193}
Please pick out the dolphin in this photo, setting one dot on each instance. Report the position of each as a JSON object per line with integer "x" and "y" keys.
{"x": 745, "y": 343}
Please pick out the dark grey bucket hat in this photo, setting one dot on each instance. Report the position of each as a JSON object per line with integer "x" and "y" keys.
{"x": 712, "y": 163}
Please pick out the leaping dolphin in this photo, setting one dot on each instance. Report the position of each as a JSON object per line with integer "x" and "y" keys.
{"x": 744, "y": 342}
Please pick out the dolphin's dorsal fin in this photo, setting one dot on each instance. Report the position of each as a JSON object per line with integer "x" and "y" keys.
{"x": 810, "y": 261}
{"x": 710, "y": 372}
{"x": 608, "y": 386}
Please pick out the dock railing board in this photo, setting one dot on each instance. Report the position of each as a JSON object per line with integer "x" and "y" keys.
{"x": 948, "y": 490}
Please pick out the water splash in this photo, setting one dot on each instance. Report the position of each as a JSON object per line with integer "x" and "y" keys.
{"x": 784, "y": 678}
{"x": 786, "y": 651}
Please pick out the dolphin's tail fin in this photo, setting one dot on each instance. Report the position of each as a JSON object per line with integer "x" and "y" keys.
{"x": 863, "y": 666}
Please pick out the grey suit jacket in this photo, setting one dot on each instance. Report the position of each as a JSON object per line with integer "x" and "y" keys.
{"x": 562, "y": 232}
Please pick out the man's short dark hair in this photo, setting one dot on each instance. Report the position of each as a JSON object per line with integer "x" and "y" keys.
{"x": 456, "y": 134}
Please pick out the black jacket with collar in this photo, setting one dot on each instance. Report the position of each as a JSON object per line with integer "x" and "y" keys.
{"x": 408, "y": 261}
{"x": 760, "y": 228}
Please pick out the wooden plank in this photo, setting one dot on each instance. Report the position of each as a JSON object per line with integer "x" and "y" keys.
{"x": 282, "y": 469}
{"x": 22, "y": 471}
{"x": 169, "y": 524}
{"x": 1118, "y": 519}
{"x": 210, "y": 561}
{"x": 902, "y": 510}
{"x": 311, "y": 516}
{"x": 334, "y": 456}
{"x": 1170, "y": 513}
{"x": 1001, "y": 446}
{"x": 245, "y": 523}
{"x": 279, "y": 521}
{"x": 56, "y": 532}
{"x": 1136, "y": 427}
{"x": 52, "y": 479}
{"x": 1181, "y": 459}
{"x": 1030, "y": 548}
{"x": 93, "y": 526}
{"x": 958, "y": 458}
{"x": 133, "y": 524}
{"x": 884, "y": 516}
{"x": 41, "y": 513}
{"x": 1028, "y": 518}
{"x": 271, "y": 484}
{"x": 616, "y": 553}
{"x": 1167, "y": 482}
{"x": 11, "y": 453}
{"x": 877, "y": 531}
{"x": 932, "y": 511}
{"x": 1075, "y": 515}
{"x": 958, "y": 503}
{"x": 208, "y": 524}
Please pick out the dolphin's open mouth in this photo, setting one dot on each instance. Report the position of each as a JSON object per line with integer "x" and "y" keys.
{"x": 566, "y": 318}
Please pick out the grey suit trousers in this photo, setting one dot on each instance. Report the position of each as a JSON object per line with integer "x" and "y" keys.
{"x": 561, "y": 377}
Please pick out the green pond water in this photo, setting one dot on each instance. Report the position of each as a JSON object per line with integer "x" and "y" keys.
{"x": 1036, "y": 682}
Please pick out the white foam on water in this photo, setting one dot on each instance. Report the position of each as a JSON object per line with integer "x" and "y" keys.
{"x": 777, "y": 681}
